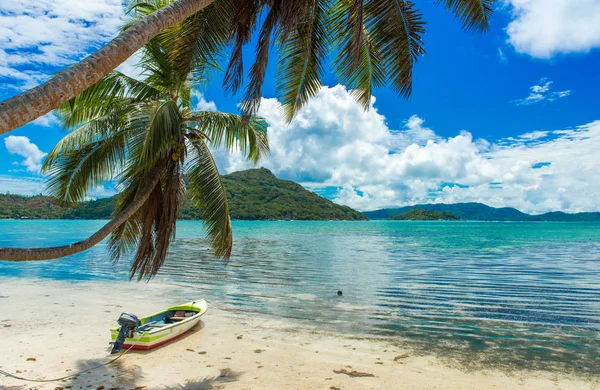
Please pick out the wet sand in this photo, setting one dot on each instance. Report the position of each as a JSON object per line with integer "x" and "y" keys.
{"x": 51, "y": 329}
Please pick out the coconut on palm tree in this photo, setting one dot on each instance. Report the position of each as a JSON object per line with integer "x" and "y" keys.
{"x": 373, "y": 42}
{"x": 147, "y": 136}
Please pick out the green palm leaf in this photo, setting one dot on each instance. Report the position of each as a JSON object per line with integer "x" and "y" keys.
{"x": 195, "y": 44}
{"x": 209, "y": 195}
{"x": 165, "y": 132}
{"x": 103, "y": 98}
{"x": 85, "y": 158}
{"x": 358, "y": 64}
{"x": 244, "y": 20}
{"x": 76, "y": 172}
{"x": 301, "y": 59}
{"x": 473, "y": 14}
{"x": 396, "y": 29}
{"x": 232, "y": 132}
{"x": 258, "y": 70}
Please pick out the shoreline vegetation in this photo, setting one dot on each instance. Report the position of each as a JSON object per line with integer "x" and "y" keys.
{"x": 257, "y": 194}
{"x": 253, "y": 194}
{"x": 229, "y": 350}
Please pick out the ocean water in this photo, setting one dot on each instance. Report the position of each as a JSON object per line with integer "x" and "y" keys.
{"x": 506, "y": 295}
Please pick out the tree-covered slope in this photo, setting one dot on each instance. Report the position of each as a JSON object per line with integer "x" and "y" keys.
{"x": 252, "y": 194}
{"x": 468, "y": 211}
{"x": 425, "y": 215}
{"x": 17, "y": 206}
{"x": 258, "y": 194}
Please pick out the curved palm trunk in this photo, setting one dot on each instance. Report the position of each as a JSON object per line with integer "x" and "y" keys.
{"x": 34, "y": 103}
{"x": 30, "y": 254}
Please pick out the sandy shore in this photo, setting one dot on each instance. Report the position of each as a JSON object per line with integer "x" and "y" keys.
{"x": 64, "y": 327}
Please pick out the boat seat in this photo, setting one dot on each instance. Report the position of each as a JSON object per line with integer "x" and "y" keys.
{"x": 179, "y": 315}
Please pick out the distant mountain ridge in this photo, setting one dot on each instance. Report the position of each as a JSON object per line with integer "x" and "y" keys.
{"x": 254, "y": 194}
{"x": 482, "y": 212}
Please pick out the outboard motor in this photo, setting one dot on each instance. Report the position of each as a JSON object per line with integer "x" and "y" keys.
{"x": 128, "y": 324}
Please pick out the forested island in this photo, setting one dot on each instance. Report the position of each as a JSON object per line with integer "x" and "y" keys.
{"x": 482, "y": 212}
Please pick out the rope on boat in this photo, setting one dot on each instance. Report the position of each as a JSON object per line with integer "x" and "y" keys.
{"x": 9, "y": 375}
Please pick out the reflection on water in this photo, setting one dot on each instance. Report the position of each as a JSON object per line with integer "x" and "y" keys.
{"x": 506, "y": 294}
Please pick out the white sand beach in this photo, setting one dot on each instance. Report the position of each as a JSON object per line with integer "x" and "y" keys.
{"x": 51, "y": 329}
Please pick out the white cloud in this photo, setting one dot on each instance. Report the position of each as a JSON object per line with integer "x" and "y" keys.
{"x": 543, "y": 28}
{"x": 130, "y": 67}
{"x": 202, "y": 104}
{"x": 23, "y": 147}
{"x": 40, "y": 33}
{"x": 334, "y": 143}
{"x": 101, "y": 192}
{"x": 47, "y": 120}
{"x": 534, "y": 135}
{"x": 21, "y": 185}
{"x": 541, "y": 92}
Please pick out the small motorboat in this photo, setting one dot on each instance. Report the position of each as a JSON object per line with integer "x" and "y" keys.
{"x": 156, "y": 329}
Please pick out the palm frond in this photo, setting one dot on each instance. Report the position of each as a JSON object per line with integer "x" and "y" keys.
{"x": 124, "y": 239}
{"x": 104, "y": 97}
{"x": 85, "y": 158}
{"x": 245, "y": 17}
{"x": 369, "y": 74}
{"x": 174, "y": 197}
{"x": 150, "y": 230}
{"x": 232, "y": 132}
{"x": 157, "y": 64}
{"x": 396, "y": 30}
{"x": 301, "y": 59}
{"x": 143, "y": 261}
{"x": 258, "y": 70}
{"x": 473, "y": 14}
{"x": 157, "y": 221}
{"x": 195, "y": 44}
{"x": 165, "y": 132}
{"x": 209, "y": 195}
{"x": 292, "y": 14}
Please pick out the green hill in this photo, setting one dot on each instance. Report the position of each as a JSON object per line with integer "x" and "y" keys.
{"x": 17, "y": 206}
{"x": 425, "y": 215}
{"x": 481, "y": 212}
{"x": 253, "y": 194}
{"x": 257, "y": 194}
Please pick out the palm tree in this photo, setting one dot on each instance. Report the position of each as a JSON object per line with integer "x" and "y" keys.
{"x": 375, "y": 42}
{"x": 147, "y": 136}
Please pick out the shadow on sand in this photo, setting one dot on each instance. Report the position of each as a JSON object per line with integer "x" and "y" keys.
{"x": 123, "y": 376}
{"x": 226, "y": 376}
{"x": 118, "y": 376}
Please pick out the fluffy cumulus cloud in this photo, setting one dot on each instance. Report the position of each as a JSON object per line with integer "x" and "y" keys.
{"x": 543, "y": 28}
{"x": 39, "y": 33}
{"x": 23, "y": 147}
{"x": 335, "y": 146}
{"x": 201, "y": 104}
{"x": 542, "y": 92}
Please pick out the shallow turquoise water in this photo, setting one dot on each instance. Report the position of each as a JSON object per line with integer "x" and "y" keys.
{"x": 503, "y": 294}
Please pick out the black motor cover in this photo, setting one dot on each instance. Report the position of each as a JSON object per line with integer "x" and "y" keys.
{"x": 128, "y": 324}
{"x": 128, "y": 320}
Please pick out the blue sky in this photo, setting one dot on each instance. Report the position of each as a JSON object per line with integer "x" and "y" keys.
{"x": 507, "y": 118}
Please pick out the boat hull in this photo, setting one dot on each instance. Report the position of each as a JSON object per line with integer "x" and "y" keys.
{"x": 144, "y": 340}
